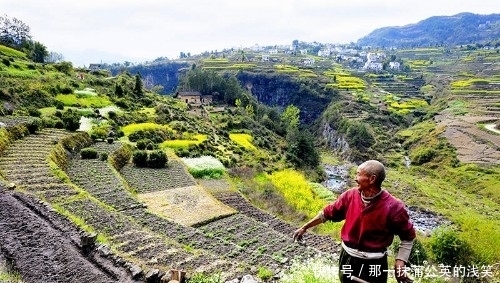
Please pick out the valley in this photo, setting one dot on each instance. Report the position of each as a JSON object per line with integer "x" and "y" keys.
{"x": 67, "y": 218}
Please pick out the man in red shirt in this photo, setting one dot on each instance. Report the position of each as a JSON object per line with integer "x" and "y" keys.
{"x": 372, "y": 218}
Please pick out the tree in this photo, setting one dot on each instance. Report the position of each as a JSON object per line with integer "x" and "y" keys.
{"x": 138, "y": 91}
{"x": 36, "y": 51}
{"x": 359, "y": 136}
{"x": 290, "y": 117}
{"x": 54, "y": 57}
{"x": 301, "y": 151}
{"x": 13, "y": 32}
{"x": 118, "y": 90}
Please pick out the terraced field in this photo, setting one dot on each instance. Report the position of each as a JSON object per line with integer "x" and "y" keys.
{"x": 474, "y": 142}
{"x": 136, "y": 241}
{"x": 42, "y": 245}
{"x": 479, "y": 102}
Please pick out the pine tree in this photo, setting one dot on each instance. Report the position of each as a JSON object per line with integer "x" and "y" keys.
{"x": 138, "y": 86}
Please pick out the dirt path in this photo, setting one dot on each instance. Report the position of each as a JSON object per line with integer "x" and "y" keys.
{"x": 491, "y": 127}
{"x": 44, "y": 253}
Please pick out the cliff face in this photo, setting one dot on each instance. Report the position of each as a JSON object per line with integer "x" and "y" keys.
{"x": 334, "y": 140}
{"x": 166, "y": 75}
{"x": 281, "y": 90}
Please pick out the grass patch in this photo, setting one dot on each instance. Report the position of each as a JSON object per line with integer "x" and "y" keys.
{"x": 244, "y": 140}
{"x": 4, "y": 50}
{"x": 469, "y": 83}
{"x": 184, "y": 143}
{"x": 131, "y": 128}
{"x": 444, "y": 193}
{"x": 458, "y": 107}
{"x": 322, "y": 192}
{"x": 84, "y": 100}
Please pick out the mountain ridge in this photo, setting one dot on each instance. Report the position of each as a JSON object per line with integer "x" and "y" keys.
{"x": 458, "y": 29}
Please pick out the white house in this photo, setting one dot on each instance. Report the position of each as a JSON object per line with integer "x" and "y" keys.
{"x": 394, "y": 65}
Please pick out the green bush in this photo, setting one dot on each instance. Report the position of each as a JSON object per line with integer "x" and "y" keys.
{"x": 59, "y": 105}
{"x": 141, "y": 144}
{"x": 204, "y": 278}
{"x": 182, "y": 152}
{"x": 121, "y": 156}
{"x": 71, "y": 120}
{"x": 448, "y": 248}
{"x": 34, "y": 112}
{"x": 157, "y": 159}
{"x": 103, "y": 156}
{"x": 155, "y": 135}
{"x": 59, "y": 124}
{"x": 6, "y": 62}
{"x": 34, "y": 125}
{"x": 264, "y": 273}
{"x": 151, "y": 146}
{"x": 88, "y": 153}
{"x": 423, "y": 155}
{"x": 98, "y": 134}
{"x": 140, "y": 158}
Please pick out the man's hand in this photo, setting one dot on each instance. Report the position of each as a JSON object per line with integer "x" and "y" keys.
{"x": 297, "y": 235}
{"x": 401, "y": 272}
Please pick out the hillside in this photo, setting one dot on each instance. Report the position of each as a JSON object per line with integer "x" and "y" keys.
{"x": 460, "y": 29}
{"x": 134, "y": 223}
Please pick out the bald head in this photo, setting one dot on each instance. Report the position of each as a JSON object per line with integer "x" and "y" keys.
{"x": 374, "y": 167}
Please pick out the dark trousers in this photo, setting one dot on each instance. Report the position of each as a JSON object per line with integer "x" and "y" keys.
{"x": 370, "y": 270}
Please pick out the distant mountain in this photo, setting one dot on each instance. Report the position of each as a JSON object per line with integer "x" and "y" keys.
{"x": 463, "y": 28}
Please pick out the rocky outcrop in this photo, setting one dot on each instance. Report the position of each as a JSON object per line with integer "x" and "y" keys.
{"x": 278, "y": 90}
{"x": 335, "y": 141}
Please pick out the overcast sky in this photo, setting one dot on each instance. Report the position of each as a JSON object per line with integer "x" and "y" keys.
{"x": 93, "y": 31}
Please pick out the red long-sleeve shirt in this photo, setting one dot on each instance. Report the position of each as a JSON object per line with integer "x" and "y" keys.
{"x": 371, "y": 228}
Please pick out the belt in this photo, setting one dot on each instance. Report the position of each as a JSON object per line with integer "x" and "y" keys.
{"x": 361, "y": 254}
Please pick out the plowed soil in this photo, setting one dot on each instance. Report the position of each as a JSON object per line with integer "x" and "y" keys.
{"x": 45, "y": 248}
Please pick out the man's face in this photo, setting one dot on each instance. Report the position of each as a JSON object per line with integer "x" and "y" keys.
{"x": 363, "y": 179}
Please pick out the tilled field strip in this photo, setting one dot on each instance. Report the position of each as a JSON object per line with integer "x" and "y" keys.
{"x": 42, "y": 253}
{"x": 140, "y": 245}
{"x": 146, "y": 180}
{"x": 235, "y": 200}
{"x": 472, "y": 143}
{"x": 25, "y": 163}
